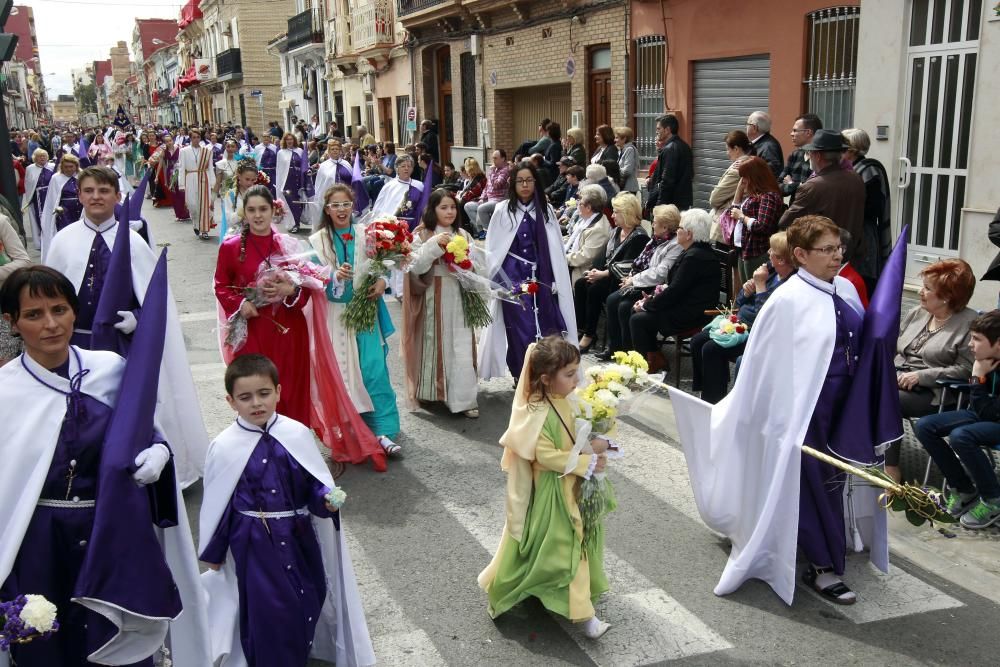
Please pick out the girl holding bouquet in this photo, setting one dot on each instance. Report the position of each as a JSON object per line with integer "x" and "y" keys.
{"x": 232, "y": 200}
{"x": 271, "y": 303}
{"x": 542, "y": 551}
{"x": 439, "y": 340}
{"x": 361, "y": 355}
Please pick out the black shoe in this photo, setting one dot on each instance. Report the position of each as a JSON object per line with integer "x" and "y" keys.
{"x": 584, "y": 349}
{"x": 294, "y": 230}
{"x": 606, "y": 355}
{"x": 196, "y": 232}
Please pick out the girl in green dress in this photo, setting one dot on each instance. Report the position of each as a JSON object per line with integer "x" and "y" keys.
{"x": 541, "y": 552}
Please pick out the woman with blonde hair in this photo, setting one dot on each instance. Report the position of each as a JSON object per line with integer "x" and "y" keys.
{"x": 628, "y": 159}
{"x": 623, "y": 246}
{"x": 575, "y": 140}
{"x": 62, "y": 201}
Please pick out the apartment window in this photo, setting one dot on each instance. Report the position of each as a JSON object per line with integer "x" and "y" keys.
{"x": 470, "y": 115}
{"x": 650, "y": 64}
{"x": 402, "y": 104}
{"x": 833, "y": 65}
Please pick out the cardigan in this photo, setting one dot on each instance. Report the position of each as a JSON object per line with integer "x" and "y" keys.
{"x": 945, "y": 354}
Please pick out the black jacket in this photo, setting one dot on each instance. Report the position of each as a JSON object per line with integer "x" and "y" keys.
{"x": 993, "y": 273}
{"x": 769, "y": 150}
{"x": 983, "y": 398}
{"x": 625, "y": 251}
{"x": 674, "y": 170}
{"x": 692, "y": 288}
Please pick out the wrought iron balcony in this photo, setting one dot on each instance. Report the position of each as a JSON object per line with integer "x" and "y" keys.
{"x": 412, "y": 6}
{"x": 305, "y": 28}
{"x": 373, "y": 25}
{"x": 228, "y": 65}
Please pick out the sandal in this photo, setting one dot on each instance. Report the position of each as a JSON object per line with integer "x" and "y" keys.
{"x": 391, "y": 448}
{"x": 838, "y": 593}
{"x": 472, "y": 414}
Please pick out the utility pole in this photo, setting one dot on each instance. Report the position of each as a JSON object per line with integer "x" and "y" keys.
{"x": 8, "y": 183}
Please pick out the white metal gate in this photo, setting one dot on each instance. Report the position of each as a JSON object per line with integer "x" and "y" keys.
{"x": 941, "y": 75}
{"x": 725, "y": 93}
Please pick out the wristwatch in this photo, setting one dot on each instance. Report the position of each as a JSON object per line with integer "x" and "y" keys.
{"x": 977, "y": 379}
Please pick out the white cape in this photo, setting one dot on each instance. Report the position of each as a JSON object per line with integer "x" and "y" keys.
{"x": 177, "y": 402}
{"x": 33, "y": 419}
{"x": 744, "y": 454}
{"x": 326, "y": 175}
{"x": 341, "y": 632}
{"x": 499, "y": 235}
{"x": 31, "y": 176}
{"x": 48, "y": 221}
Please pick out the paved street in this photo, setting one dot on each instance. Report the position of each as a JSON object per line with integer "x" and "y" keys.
{"x": 421, "y": 532}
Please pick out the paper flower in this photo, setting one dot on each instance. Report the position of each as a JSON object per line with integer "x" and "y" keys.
{"x": 336, "y": 497}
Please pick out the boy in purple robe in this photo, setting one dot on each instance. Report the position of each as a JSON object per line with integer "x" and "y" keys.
{"x": 271, "y": 536}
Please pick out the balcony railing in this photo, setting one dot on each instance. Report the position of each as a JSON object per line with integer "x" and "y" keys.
{"x": 228, "y": 65}
{"x": 343, "y": 40}
{"x": 373, "y": 25}
{"x": 411, "y": 6}
{"x": 305, "y": 28}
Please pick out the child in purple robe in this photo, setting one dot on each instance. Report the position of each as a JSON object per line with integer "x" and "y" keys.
{"x": 271, "y": 536}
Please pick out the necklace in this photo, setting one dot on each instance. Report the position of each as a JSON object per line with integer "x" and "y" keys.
{"x": 936, "y": 323}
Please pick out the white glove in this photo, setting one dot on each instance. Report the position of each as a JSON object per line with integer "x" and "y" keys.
{"x": 151, "y": 462}
{"x": 128, "y": 323}
{"x": 135, "y": 225}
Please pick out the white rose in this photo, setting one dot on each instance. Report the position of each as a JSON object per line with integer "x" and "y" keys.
{"x": 627, "y": 373}
{"x": 594, "y": 371}
{"x": 38, "y": 614}
{"x": 388, "y": 263}
{"x": 607, "y": 397}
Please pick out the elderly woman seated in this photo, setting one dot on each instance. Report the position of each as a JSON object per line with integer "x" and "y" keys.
{"x": 649, "y": 269}
{"x": 589, "y": 234}
{"x": 598, "y": 175}
{"x": 933, "y": 343}
{"x": 709, "y": 359}
{"x": 692, "y": 287}
{"x": 626, "y": 242}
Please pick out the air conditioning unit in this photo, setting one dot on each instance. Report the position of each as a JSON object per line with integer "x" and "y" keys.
{"x": 576, "y": 119}
{"x": 474, "y": 45}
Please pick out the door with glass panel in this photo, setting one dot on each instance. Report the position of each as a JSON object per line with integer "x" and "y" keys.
{"x": 934, "y": 155}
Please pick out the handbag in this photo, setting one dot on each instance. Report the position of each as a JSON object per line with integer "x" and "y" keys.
{"x": 620, "y": 269}
{"x": 727, "y": 225}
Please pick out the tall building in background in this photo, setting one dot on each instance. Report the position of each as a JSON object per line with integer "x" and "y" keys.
{"x": 149, "y": 37}
{"x": 25, "y": 72}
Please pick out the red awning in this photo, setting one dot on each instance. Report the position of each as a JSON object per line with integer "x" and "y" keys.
{"x": 189, "y": 13}
{"x": 155, "y": 98}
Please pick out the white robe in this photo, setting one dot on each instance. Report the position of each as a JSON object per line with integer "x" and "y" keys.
{"x": 31, "y": 176}
{"x": 326, "y": 176}
{"x": 225, "y": 169}
{"x": 392, "y": 196}
{"x": 33, "y": 422}
{"x": 744, "y": 453}
{"x": 188, "y": 177}
{"x": 177, "y": 399}
{"x": 48, "y": 221}
{"x": 341, "y": 632}
{"x": 499, "y": 236}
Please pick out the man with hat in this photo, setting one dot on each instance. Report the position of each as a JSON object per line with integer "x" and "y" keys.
{"x": 557, "y": 191}
{"x": 833, "y": 192}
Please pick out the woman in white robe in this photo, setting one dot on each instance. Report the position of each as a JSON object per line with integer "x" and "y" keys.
{"x": 36, "y": 185}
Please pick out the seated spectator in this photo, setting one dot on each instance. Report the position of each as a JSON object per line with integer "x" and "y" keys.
{"x": 724, "y": 193}
{"x": 497, "y": 180}
{"x": 709, "y": 360}
{"x": 974, "y": 489}
{"x": 427, "y": 162}
{"x": 933, "y": 343}
{"x": 692, "y": 287}
{"x": 614, "y": 173}
{"x": 449, "y": 177}
{"x": 650, "y": 268}
{"x": 756, "y": 214}
{"x": 574, "y": 177}
{"x": 575, "y": 141}
{"x": 590, "y": 234}
{"x": 598, "y": 175}
{"x": 556, "y": 192}
{"x": 848, "y": 271}
{"x": 473, "y": 189}
{"x": 625, "y": 244}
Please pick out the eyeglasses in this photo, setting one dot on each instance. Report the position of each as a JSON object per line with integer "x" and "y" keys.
{"x": 830, "y": 250}
{"x": 803, "y": 129}
{"x": 525, "y": 181}
{"x": 335, "y": 205}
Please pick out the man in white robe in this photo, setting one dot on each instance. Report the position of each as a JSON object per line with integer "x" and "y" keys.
{"x": 196, "y": 179}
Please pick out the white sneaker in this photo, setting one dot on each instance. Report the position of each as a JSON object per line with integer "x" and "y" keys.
{"x": 594, "y": 628}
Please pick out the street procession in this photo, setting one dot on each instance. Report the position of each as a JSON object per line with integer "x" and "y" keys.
{"x": 356, "y": 332}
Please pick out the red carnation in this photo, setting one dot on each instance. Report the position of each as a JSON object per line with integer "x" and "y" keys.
{"x": 466, "y": 264}
{"x": 734, "y": 319}
{"x": 740, "y": 328}
{"x": 449, "y": 257}
{"x": 532, "y": 288}
{"x": 347, "y": 237}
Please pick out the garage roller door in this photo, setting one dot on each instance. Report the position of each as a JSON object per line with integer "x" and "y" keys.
{"x": 538, "y": 102}
{"x": 725, "y": 93}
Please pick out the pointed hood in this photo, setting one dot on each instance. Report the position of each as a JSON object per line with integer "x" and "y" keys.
{"x": 357, "y": 182}
{"x": 135, "y": 590}
{"x": 870, "y": 419}
{"x": 135, "y": 209}
{"x": 117, "y": 293}
{"x": 418, "y": 211}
